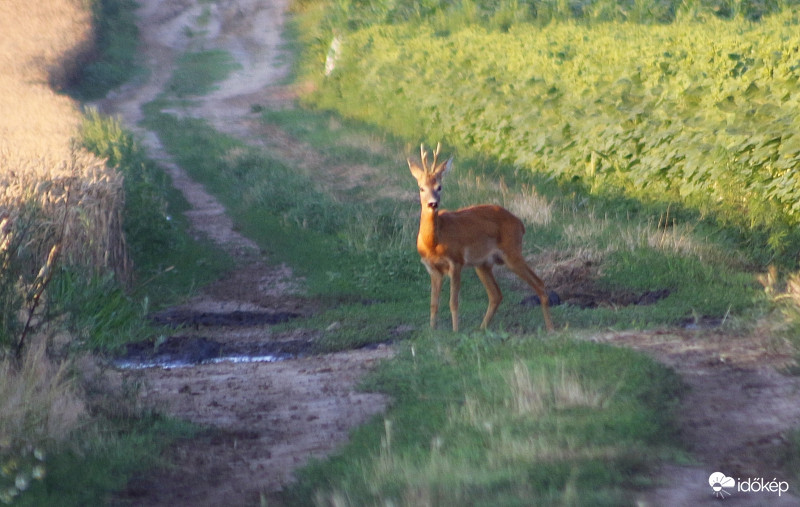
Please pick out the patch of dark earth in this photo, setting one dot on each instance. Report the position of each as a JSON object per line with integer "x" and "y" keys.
{"x": 190, "y": 318}
{"x": 597, "y": 298}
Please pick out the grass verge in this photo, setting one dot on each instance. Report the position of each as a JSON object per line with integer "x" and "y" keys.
{"x": 101, "y": 459}
{"x": 45, "y": 460}
{"x": 492, "y": 419}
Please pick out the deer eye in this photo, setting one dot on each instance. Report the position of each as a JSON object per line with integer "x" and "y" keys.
{"x": 439, "y": 188}
{"x": 421, "y": 189}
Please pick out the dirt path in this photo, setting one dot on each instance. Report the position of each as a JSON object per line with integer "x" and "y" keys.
{"x": 270, "y": 417}
{"x": 735, "y": 417}
{"x": 267, "y": 418}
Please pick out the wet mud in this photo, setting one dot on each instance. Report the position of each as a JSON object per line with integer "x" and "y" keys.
{"x": 183, "y": 351}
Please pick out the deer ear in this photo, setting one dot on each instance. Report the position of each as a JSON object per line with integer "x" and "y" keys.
{"x": 416, "y": 171}
{"x": 443, "y": 168}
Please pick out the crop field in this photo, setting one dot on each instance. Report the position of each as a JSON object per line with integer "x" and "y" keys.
{"x": 703, "y": 115}
{"x": 41, "y": 170}
{"x": 73, "y": 213}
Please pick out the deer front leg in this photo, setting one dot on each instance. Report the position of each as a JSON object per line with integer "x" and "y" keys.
{"x": 455, "y": 287}
{"x": 436, "y": 289}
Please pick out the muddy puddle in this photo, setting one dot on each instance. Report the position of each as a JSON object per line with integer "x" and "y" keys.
{"x": 185, "y": 351}
{"x": 192, "y": 348}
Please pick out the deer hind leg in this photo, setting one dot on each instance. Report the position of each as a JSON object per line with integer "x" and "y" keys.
{"x": 492, "y": 290}
{"x": 517, "y": 264}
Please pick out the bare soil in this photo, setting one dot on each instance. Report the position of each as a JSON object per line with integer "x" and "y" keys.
{"x": 267, "y": 419}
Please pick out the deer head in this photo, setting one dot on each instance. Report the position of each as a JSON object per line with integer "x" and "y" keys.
{"x": 429, "y": 178}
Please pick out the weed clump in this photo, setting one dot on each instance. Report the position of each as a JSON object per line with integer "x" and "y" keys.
{"x": 39, "y": 408}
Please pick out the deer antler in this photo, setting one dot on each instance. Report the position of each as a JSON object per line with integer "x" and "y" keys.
{"x": 423, "y": 156}
{"x": 436, "y": 154}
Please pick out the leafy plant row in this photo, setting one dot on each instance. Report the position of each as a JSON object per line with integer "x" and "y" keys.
{"x": 703, "y": 114}
{"x": 502, "y": 14}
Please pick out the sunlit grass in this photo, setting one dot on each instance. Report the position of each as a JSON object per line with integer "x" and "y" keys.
{"x": 558, "y": 389}
{"x": 478, "y": 421}
{"x": 618, "y": 108}
{"x": 503, "y": 417}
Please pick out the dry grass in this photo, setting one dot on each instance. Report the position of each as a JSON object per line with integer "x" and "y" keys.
{"x": 80, "y": 198}
{"x": 559, "y": 389}
{"x": 523, "y": 201}
{"x": 38, "y": 401}
{"x": 40, "y": 168}
{"x": 39, "y": 407}
{"x": 528, "y": 205}
{"x": 785, "y": 295}
{"x": 664, "y": 235}
{"x": 52, "y": 195}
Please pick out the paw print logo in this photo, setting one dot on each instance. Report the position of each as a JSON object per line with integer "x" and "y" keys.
{"x": 718, "y": 482}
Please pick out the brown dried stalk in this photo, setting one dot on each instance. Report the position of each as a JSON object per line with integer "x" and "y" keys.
{"x": 42, "y": 280}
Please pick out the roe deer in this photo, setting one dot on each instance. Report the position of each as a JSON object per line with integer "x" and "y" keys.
{"x": 479, "y": 236}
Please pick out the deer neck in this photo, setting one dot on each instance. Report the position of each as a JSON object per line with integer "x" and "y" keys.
{"x": 428, "y": 229}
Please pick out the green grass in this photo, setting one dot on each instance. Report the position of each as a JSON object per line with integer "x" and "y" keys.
{"x": 509, "y": 416}
{"x": 492, "y": 419}
{"x": 330, "y": 242}
{"x": 102, "y": 314}
{"x": 116, "y": 43}
{"x": 99, "y": 460}
{"x": 353, "y": 248}
{"x": 116, "y": 440}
